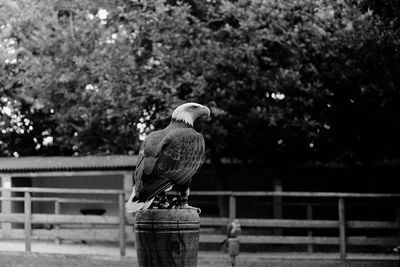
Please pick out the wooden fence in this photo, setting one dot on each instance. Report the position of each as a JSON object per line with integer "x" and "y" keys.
{"x": 118, "y": 228}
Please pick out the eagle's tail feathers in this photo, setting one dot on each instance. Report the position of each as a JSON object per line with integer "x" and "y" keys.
{"x": 134, "y": 205}
{"x": 147, "y": 204}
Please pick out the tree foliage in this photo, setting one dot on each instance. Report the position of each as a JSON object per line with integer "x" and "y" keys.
{"x": 287, "y": 81}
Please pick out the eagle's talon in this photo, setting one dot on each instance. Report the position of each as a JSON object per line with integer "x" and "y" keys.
{"x": 160, "y": 205}
{"x": 186, "y": 206}
{"x": 164, "y": 205}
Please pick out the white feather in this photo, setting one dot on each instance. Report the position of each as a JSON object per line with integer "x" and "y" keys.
{"x": 135, "y": 206}
{"x": 181, "y": 113}
{"x": 168, "y": 189}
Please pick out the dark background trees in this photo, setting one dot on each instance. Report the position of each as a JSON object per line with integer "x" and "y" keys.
{"x": 287, "y": 81}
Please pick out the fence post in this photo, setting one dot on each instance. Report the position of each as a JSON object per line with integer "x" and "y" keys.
{"x": 232, "y": 207}
{"x": 127, "y": 186}
{"x": 342, "y": 229}
{"x": 57, "y": 207}
{"x": 122, "y": 241}
{"x": 6, "y": 183}
{"x": 277, "y": 204}
{"x": 28, "y": 225}
{"x": 309, "y": 232}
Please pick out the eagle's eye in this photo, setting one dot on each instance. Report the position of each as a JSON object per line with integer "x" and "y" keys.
{"x": 193, "y": 107}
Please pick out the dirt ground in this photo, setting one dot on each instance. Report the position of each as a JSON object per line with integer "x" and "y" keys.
{"x": 20, "y": 259}
{"x": 48, "y": 254}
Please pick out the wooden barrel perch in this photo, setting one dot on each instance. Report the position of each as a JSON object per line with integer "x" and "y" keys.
{"x": 167, "y": 237}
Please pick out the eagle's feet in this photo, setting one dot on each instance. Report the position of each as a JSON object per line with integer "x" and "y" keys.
{"x": 175, "y": 203}
{"x": 186, "y": 206}
{"x": 181, "y": 203}
{"x": 160, "y": 203}
{"x": 158, "y": 206}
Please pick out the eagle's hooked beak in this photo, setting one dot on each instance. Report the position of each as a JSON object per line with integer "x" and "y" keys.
{"x": 205, "y": 111}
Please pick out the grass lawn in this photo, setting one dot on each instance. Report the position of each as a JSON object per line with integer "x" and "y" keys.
{"x": 16, "y": 259}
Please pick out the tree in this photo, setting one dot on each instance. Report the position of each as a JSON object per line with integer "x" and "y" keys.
{"x": 286, "y": 81}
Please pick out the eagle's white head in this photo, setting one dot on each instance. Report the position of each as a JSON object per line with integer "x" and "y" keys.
{"x": 189, "y": 112}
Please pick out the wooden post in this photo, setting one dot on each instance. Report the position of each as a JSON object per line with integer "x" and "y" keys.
{"x": 167, "y": 237}
{"x": 127, "y": 183}
{"x": 342, "y": 229}
{"x": 6, "y": 204}
{"x": 232, "y": 208}
{"x": 122, "y": 241}
{"x": 309, "y": 217}
{"x": 28, "y": 225}
{"x": 127, "y": 186}
{"x": 57, "y": 207}
{"x": 277, "y": 203}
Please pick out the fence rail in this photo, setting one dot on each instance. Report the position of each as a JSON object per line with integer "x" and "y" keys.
{"x": 114, "y": 228}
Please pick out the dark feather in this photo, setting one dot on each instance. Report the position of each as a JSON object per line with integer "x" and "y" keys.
{"x": 168, "y": 157}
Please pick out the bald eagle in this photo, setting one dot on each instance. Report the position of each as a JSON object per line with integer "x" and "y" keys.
{"x": 167, "y": 158}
